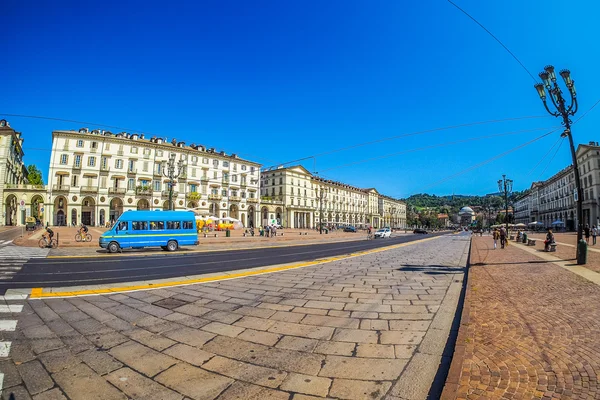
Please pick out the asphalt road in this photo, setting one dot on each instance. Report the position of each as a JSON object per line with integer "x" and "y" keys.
{"x": 47, "y": 272}
{"x": 11, "y": 233}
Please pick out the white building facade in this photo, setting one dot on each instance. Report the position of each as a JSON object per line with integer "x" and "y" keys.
{"x": 95, "y": 176}
{"x": 295, "y": 198}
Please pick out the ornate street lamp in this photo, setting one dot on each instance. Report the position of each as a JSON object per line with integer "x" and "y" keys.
{"x": 565, "y": 111}
{"x": 321, "y": 193}
{"x": 505, "y": 185}
{"x": 170, "y": 173}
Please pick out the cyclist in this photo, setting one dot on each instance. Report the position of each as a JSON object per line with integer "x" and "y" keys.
{"x": 369, "y": 232}
{"x": 50, "y": 236}
{"x": 83, "y": 231}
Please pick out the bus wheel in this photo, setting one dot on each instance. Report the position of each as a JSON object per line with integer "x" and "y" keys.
{"x": 113, "y": 247}
{"x": 172, "y": 245}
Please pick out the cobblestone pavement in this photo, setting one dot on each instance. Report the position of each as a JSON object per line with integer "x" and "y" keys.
{"x": 358, "y": 328}
{"x": 529, "y": 330}
{"x": 566, "y": 249}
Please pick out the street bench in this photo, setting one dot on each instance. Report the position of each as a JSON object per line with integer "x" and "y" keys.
{"x": 552, "y": 247}
{"x": 530, "y": 242}
{"x": 512, "y": 237}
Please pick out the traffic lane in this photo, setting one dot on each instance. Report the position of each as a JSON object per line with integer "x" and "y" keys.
{"x": 37, "y": 273}
{"x": 11, "y": 233}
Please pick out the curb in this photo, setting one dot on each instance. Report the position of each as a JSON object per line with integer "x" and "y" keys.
{"x": 452, "y": 385}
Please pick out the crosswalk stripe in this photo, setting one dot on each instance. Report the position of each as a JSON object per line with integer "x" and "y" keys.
{"x": 8, "y": 325}
{"x": 11, "y": 308}
{"x": 4, "y": 349}
{"x": 13, "y": 297}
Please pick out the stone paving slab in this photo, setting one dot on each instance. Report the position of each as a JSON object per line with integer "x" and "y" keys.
{"x": 529, "y": 329}
{"x": 348, "y": 329}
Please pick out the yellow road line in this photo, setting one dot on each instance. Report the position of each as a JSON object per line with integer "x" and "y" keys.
{"x": 38, "y": 293}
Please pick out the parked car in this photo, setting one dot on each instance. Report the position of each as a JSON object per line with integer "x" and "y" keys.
{"x": 350, "y": 229}
{"x": 383, "y": 233}
{"x": 421, "y": 231}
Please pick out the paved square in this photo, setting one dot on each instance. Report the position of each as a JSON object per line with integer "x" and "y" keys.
{"x": 363, "y": 327}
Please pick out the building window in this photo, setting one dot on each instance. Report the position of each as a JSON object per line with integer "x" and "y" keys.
{"x": 94, "y": 145}
{"x": 145, "y": 166}
{"x": 64, "y": 159}
{"x": 134, "y": 150}
{"x": 131, "y": 166}
{"x": 131, "y": 184}
{"x": 157, "y": 185}
{"x": 119, "y": 164}
{"x": 216, "y": 163}
{"x": 104, "y": 162}
{"x": 91, "y": 161}
{"x": 252, "y": 170}
{"x": 147, "y": 152}
{"x": 77, "y": 161}
{"x": 204, "y": 160}
{"x": 193, "y": 188}
{"x": 107, "y": 146}
{"x": 224, "y": 192}
{"x": 214, "y": 191}
{"x": 195, "y": 159}
{"x": 74, "y": 180}
{"x": 225, "y": 164}
{"x": 159, "y": 153}
{"x": 243, "y": 167}
{"x": 193, "y": 172}
{"x": 80, "y": 143}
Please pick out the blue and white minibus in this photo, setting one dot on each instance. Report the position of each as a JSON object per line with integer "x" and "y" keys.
{"x": 137, "y": 229}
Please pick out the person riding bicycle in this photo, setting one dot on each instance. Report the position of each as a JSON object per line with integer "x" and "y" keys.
{"x": 83, "y": 230}
{"x": 369, "y": 231}
{"x": 50, "y": 234}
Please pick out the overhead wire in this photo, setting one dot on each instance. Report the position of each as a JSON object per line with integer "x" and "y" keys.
{"x": 554, "y": 155}
{"x": 495, "y": 38}
{"x": 544, "y": 157}
{"x": 478, "y": 165}
{"x": 432, "y": 147}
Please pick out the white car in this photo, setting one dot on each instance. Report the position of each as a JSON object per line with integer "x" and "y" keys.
{"x": 383, "y": 233}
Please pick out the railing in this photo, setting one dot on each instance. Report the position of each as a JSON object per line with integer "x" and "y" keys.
{"x": 225, "y": 181}
{"x": 235, "y": 198}
{"x": 24, "y": 186}
{"x": 215, "y": 197}
{"x": 93, "y": 150}
{"x": 114, "y": 190}
{"x": 251, "y": 200}
{"x": 143, "y": 192}
{"x": 132, "y": 171}
{"x": 165, "y": 193}
{"x": 119, "y": 152}
{"x": 147, "y": 156}
{"x": 193, "y": 196}
{"x": 104, "y": 168}
{"x": 75, "y": 166}
{"x": 89, "y": 189}
{"x": 61, "y": 188}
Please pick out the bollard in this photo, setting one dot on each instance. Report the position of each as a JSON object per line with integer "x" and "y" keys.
{"x": 581, "y": 252}
{"x": 524, "y": 238}
{"x": 227, "y": 233}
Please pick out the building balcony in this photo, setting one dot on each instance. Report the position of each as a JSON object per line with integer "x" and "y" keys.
{"x": 147, "y": 156}
{"x": 93, "y": 150}
{"x": 61, "y": 188}
{"x": 104, "y": 169}
{"x": 235, "y": 198}
{"x": 243, "y": 184}
{"x": 89, "y": 189}
{"x": 119, "y": 152}
{"x": 76, "y": 167}
{"x": 165, "y": 193}
{"x": 225, "y": 182}
{"x": 215, "y": 197}
{"x": 114, "y": 190}
{"x": 132, "y": 171}
{"x": 204, "y": 179}
{"x": 23, "y": 186}
{"x": 194, "y": 196}
{"x": 143, "y": 191}
{"x": 157, "y": 173}
{"x": 251, "y": 200}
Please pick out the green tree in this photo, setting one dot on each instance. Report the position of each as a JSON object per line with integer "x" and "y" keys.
{"x": 34, "y": 175}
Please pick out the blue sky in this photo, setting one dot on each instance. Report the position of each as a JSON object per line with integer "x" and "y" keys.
{"x": 276, "y": 81}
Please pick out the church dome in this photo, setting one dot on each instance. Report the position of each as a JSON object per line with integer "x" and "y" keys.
{"x": 466, "y": 211}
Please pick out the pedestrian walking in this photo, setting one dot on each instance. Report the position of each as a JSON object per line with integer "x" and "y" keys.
{"x": 502, "y": 237}
{"x": 496, "y": 235}
{"x": 594, "y": 234}
{"x": 587, "y": 234}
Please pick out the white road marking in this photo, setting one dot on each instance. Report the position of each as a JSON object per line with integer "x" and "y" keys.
{"x": 8, "y": 325}
{"x": 1, "y": 381}
{"x": 13, "y": 297}
{"x": 12, "y": 308}
{"x": 4, "y": 349}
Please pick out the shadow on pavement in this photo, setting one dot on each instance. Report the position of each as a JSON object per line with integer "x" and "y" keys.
{"x": 432, "y": 269}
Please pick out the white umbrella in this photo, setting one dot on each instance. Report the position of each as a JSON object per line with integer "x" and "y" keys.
{"x": 558, "y": 222}
{"x": 536, "y": 223}
{"x": 520, "y": 225}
